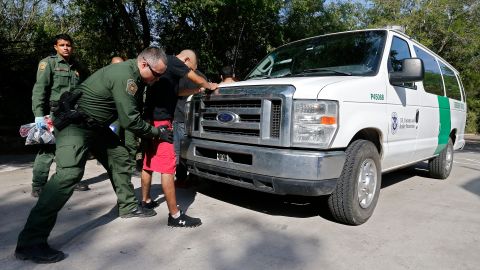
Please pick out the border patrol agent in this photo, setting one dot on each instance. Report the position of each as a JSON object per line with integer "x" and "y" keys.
{"x": 56, "y": 74}
{"x": 106, "y": 95}
{"x": 131, "y": 141}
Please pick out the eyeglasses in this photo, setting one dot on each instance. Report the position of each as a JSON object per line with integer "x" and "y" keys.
{"x": 155, "y": 74}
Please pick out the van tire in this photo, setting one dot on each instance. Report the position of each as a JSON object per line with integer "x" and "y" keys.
{"x": 345, "y": 202}
{"x": 441, "y": 165}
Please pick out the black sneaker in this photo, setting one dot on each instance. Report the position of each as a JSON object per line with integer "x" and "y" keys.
{"x": 150, "y": 205}
{"x": 140, "y": 212}
{"x": 183, "y": 221}
{"x": 36, "y": 192}
{"x": 41, "y": 253}
{"x": 81, "y": 187}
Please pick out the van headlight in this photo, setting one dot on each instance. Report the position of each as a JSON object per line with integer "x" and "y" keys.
{"x": 314, "y": 122}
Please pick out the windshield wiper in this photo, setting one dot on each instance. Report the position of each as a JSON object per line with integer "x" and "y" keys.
{"x": 322, "y": 70}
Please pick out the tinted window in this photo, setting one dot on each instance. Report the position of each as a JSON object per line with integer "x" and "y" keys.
{"x": 398, "y": 52}
{"x": 355, "y": 53}
{"x": 451, "y": 84}
{"x": 432, "y": 82}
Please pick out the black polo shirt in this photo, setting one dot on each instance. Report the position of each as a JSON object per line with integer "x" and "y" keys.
{"x": 162, "y": 96}
{"x": 184, "y": 83}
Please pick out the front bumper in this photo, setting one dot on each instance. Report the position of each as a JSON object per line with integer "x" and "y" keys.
{"x": 274, "y": 170}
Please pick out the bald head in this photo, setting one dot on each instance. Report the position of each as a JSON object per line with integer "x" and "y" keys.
{"x": 116, "y": 59}
{"x": 189, "y": 57}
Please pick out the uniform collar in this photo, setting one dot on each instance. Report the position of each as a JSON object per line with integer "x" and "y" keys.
{"x": 59, "y": 59}
{"x": 136, "y": 72}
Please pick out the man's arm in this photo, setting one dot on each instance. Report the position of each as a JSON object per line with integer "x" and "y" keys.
{"x": 190, "y": 91}
{"x": 128, "y": 115}
{"x": 200, "y": 81}
{"x": 41, "y": 89}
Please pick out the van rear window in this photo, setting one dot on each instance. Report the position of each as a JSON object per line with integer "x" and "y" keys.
{"x": 451, "y": 84}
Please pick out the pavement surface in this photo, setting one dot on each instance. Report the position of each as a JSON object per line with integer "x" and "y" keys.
{"x": 419, "y": 223}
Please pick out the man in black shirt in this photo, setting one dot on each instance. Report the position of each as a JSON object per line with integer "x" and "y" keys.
{"x": 179, "y": 128}
{"x": 160, "y": 105}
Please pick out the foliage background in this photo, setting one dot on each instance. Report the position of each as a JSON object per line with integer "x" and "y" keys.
{"x": 223, "y": 32}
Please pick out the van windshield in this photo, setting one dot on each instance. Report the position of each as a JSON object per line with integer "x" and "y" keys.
{"x": 345, "y": 54}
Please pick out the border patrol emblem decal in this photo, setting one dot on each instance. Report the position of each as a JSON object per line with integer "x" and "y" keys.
{"x": 42, "y": 66}
{"x": 394, "y": 122}
{"x": 131, "y": 87}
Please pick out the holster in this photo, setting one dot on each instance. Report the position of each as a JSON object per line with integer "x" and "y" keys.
{"x": 53, "y": 106}
{"x": 66, "y": 111}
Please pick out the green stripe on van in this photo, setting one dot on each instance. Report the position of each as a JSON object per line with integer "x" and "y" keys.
{"x": 445, "y": 124}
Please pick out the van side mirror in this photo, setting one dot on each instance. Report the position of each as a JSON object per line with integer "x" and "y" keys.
{"x": 412, "y": 71}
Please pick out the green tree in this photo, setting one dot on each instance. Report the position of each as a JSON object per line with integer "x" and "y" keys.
{"x": 450, "y": 28}
{"x": 231, "y": 32}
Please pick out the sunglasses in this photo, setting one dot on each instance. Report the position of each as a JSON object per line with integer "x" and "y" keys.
{"x": 155, "y": 74}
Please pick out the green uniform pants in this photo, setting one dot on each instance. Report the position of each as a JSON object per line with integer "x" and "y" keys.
{"x": 73, "y": 144}
{"x": 41, "y": 166}
{"x": 130, "y": 141}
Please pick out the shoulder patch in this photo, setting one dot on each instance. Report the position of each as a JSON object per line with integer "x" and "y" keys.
{"x": 131, "y": 87}
{"x": 42, "y": 66}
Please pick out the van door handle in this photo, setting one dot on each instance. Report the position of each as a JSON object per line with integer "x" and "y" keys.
{"x": 417, "y": 116}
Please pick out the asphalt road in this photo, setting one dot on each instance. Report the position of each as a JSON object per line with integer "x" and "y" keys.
{"x": 419, "y": 223}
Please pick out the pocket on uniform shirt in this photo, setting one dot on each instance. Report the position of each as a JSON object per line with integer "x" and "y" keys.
{"x": 61, "y": 79}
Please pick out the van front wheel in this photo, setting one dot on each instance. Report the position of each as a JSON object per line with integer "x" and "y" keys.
{"x": 356, "y": 195}
{"x": 441, "y": 165}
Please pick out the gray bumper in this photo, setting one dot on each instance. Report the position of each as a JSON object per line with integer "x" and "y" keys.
{"x": 274, "y": 170}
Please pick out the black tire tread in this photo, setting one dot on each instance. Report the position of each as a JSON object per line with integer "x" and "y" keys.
{"x": 340, "y": 202}
{"x": 437, "y": 165}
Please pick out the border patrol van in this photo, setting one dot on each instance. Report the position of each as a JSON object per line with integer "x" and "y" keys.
{"x": 327, "y": 116}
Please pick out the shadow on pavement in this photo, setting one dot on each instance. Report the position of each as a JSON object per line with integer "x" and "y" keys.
{"x": 14, "y": 160}
{"x": 283, "y": 205}
{"x": 185, "y": 197}
{"x": 473, "y": 186}
{"x": 472, "y": 144}
{"x": 283, "y": 249}
{"x": 392, "y": 178}
{"x": 294, "y": 206}
{"x": 96, "y": 179}
{"x": 68, "y": 236}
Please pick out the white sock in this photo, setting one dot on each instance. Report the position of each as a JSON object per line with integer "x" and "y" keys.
{"x": 177, "y": 215}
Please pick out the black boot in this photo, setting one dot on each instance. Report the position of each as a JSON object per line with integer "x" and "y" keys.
{"x": 41, "y": 253}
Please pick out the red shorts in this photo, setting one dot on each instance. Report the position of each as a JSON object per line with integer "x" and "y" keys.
{"x": 161, "y": 157}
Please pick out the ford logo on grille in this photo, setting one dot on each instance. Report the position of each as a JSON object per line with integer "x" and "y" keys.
{"x": 226, "y": 117}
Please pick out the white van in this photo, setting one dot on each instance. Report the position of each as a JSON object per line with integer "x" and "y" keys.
{"x": 327, "y": 116}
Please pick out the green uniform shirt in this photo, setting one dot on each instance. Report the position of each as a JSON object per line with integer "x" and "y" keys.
{"x": 54, "y": 77}
{"x": 112, "y": 93}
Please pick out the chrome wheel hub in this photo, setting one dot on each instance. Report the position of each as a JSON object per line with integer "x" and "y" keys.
{"x": 367, "y": 182}
{"x": 448, "y": 158}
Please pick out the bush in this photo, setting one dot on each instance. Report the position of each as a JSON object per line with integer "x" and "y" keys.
{"x": 472, "y": 122}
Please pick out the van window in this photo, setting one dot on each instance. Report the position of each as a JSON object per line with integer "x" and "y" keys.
{"x": 432, "y": 82}
{"x": 398, "y": 52}
{"x": 451, "y": 84}
{"x": 344, "y": 54}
